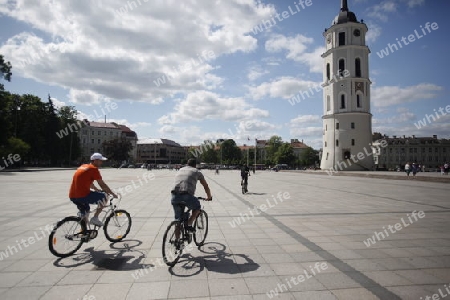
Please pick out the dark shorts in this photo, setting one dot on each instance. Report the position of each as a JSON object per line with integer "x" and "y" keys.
{"x": 92, "y": 198}
{"x": 186, "y": 199}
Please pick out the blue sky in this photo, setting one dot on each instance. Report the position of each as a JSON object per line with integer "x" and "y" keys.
{"x": 195, "y": 70}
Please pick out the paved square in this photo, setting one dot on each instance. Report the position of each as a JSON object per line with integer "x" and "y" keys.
{"x": 295, "y": 235}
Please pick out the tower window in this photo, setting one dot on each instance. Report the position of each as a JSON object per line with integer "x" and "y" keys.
{"x": 357, "y": 67}
{"x": 341, "y": 38}
{"x": 337, "y": 126}
{"x": 337, "y": 143}
{"x": 342, "y": 101}
{"x": 328, "y": 103}
{"x": 325, "y": 143}
{"x": 326, "y": 127}
{"x": 341, "y": 67}
{"x": 358, "y": 101}
{"x": 353, "y": 142}
{"x": 352, "y": 125}
{"x": 347, "y": 155}
{"x": 328, "y": 71}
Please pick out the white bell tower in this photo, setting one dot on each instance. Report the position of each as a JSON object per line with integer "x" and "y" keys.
{"x": 347, "y": 121}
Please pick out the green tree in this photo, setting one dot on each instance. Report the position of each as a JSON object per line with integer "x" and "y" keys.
{"x": 70, "y": 142}
{"x": 274, "y": 144}
{"x": 5, "y": 71}
{"x": 17, "y": 146}
{"x": 285, "y": 154}
{"x": 231, "y": 154}
{"x": 117, "y": 149}
{"x": 210, "y": 155}
{"x": 308, "y": 156}
{"x": 376, "y": 136}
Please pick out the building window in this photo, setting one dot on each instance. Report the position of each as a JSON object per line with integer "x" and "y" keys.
{"x": 357, "y": 67}
{"x": 436, "y": 149}
{"x": 430, "y": 150}
{"x": 98, "y": 141}
{"x": 353, "y": 142}
{"x": 93, "y": 132}
{"x": 328, "y": 71}
{"x": 92, "y": 141}
{"x": 341, "y": 38}
{"x": 342, "y": 101}
{"x": 347, "y": 155}
{"x": 341, "y": 67}
{"x": 99, "y": 133}
{"x": 337, "y": 143}
{"x": 328, "y": 103}
{"x": 337, "y": 126}
{"x": 325, "y": 143}
{"x": 92, "y": 150}
{"x": 84, "y": 131}
{"x": 358, "y": 101}
{"x": 327, "y": 156}
{"x": 352, "y": 125}
{"x": 84, "y": 141}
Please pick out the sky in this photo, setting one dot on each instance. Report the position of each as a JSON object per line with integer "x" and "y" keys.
{"x": 209, "y": 69}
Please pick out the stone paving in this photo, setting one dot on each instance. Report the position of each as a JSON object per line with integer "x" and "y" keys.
{"x": 295, "y": 234}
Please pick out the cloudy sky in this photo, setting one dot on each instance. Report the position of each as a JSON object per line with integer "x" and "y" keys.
{"x": 205, "y": 69}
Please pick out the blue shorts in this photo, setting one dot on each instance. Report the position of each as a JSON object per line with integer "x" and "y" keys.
{"x": 92, "y": 198}
{"x": 186, "y": 199}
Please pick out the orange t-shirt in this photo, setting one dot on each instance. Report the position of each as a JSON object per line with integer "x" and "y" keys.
{"x": 82, "y": 180}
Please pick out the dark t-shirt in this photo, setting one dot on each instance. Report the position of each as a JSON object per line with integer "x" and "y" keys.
{"x": 244, "y": 171}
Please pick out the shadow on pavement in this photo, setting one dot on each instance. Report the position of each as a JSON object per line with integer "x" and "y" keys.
{"x": 122, "y": 258}
{"x": 216, "y": 260}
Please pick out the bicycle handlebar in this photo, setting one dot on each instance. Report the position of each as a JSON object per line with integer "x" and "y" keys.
{"x": 204, "y": 199}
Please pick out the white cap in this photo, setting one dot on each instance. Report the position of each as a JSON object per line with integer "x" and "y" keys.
{"x": 98, "y": 156}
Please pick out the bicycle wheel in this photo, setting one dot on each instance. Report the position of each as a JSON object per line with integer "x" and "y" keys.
{"x": 117, "y": 225}
{"x": 172, "y": 243}
{"x": 201, "y": 228}
{"x": 66, "y": 237}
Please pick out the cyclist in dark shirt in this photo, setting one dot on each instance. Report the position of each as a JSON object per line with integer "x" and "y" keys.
{"x": 245, "y": 172}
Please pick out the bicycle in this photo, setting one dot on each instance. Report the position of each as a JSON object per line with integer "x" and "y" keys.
{"x": 177, "y": 236}
{"x": 244, "y": 184}
{"x": 71, "y": 232}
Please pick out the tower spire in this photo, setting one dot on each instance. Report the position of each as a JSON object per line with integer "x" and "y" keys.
{"x": 344, "y": 5}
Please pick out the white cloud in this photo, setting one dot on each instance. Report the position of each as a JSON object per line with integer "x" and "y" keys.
{"x": 205, "y": 105}
{"x": 284, "y": 87}
{"x": 296, "y": 48}
{"x": 306, "y": 119}
{"x": 256, "y": 72}
{"x": 374, "y": 32}
{"x": 381, "y": 11}
{"x": 95, "y": 51}
{"x": 393, "y": 95}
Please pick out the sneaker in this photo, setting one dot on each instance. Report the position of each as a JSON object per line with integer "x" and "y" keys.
{"x": 95, "y": 221}
{"x": 190, "y": 229}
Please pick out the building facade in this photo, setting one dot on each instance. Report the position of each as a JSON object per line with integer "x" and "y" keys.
{"x": 347, "y": 121}
{"x": 160, "y": 151}
{"x": 93, "y": 134}
{"x": 430, "y": 152}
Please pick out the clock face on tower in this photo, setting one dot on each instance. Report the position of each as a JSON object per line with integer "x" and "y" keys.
{"x": 356, "y": 32}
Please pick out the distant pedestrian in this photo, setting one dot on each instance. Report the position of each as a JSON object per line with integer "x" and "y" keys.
{"x": 407, "y": 168}
{"x": 414, "y": 169}
{"x": 446, "y": 166}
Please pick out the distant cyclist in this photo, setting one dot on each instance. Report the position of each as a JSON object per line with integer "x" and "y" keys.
{"x": 245, "y": 172}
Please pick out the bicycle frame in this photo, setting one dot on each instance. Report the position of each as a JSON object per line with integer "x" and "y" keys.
{"x": 107, "y": 209}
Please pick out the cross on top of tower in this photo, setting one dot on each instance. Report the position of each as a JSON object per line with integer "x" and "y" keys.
{"x": 344, "y": 5}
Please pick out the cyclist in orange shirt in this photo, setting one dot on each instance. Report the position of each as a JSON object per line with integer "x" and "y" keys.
{"x": 83, "y": 181}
